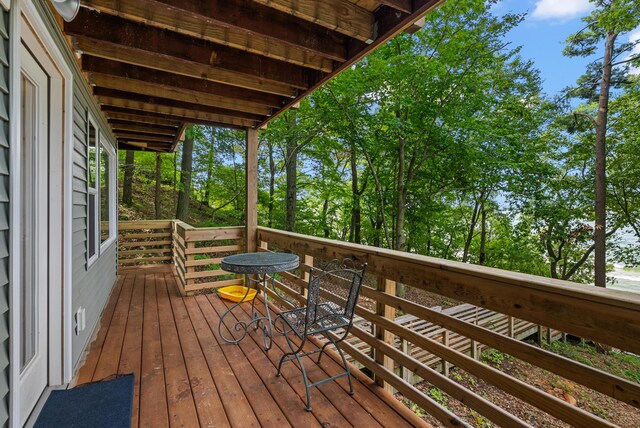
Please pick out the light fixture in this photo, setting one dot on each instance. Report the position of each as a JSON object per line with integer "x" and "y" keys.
{"x": 68, "y": 9}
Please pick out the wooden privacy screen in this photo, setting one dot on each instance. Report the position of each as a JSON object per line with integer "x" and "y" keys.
{"x": 195, "y": 252}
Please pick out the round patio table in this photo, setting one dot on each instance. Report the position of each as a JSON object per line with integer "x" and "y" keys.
{"x": 262, "y": 266}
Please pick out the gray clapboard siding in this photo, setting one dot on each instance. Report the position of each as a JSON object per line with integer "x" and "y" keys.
{"x": 91, "y": 284}
{"x": 4, "y": 218}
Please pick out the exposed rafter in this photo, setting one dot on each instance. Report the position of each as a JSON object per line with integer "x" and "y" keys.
{"x": 113, "y": 68}
{"x": 338, "y": 15}
{"x": 239, "y": 24}
{"x": 168, "y": 92}
{"x": 112, "y": 93}
{"x": 176, "y": 112}
{"x": 157, "y": 65}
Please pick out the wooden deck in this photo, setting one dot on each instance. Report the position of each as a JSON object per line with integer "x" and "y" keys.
{"x": 186, "y": 376}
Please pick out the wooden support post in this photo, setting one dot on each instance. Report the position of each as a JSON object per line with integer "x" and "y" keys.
{"x": 406, "y": 374}
{"x": 539, "y": 335}
{"x": 445, "y": 364}
{"x": 308, "y": 260}
{"x": 189, "y": 269}
{"x": 251, "y": 207}
{"x": 511, "y": 327}
{"x": 389, "y": 287}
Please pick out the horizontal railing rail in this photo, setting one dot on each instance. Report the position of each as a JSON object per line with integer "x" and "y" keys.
{"x": 198, "y": 252}
{"x": 605, "y": 316}
{"x": 195, "y": 251}
{"x": 146, "y": 242}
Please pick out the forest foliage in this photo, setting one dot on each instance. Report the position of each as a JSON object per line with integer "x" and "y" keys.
{"x": 441, "y": 143}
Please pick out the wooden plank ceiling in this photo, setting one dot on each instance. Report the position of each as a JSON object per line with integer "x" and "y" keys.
{"x": 156, "y": 65}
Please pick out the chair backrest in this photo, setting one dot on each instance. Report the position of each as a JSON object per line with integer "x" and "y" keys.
{"x": 337, "y": 287}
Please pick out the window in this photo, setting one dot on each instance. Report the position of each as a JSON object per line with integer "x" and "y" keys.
{"x": 92, "y": 194}
{"x": 101, "y": 181}
{"x": 107, "y": 190}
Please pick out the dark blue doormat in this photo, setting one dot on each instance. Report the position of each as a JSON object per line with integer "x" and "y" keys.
{"x": 100, "y": 404}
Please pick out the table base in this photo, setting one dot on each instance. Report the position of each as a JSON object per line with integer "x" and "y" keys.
{"x": 263, "y": 323}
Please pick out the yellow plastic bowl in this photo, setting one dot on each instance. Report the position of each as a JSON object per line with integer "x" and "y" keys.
{"x": 235, "y": 293}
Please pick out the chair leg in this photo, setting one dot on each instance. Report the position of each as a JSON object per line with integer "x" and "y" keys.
{"x": 306, "y": 382}
{"x": 322, "y": 351}
{"x": 336, "y": 343}
{"x": 346, "y": 367}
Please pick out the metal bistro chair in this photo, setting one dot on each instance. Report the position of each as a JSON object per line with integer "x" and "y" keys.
{"x": 331, "y": 301}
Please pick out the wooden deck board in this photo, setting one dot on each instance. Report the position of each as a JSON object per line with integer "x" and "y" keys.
{"x": 187, "y": 376}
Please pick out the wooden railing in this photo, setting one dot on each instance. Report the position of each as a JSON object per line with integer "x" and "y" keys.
{"x": 195, "y": 252}
{"x": 146, "y": 242}
{"x": 605, "y": 316}
{"x": 198, "y": 252}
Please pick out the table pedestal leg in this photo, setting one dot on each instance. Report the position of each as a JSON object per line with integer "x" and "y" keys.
{"x": 257, "y": 321}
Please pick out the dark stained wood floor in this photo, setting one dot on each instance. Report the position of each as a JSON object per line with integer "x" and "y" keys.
{"x": 186, "y": 376}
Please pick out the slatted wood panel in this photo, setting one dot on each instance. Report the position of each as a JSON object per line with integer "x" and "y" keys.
{"x": 530, "y": 298}
{"x": 198, "y": 252}
{"x": 186, "y": 376}
{"x": 144, "y": 242}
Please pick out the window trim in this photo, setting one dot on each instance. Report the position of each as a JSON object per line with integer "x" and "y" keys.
{"x": 105, "y": 144}
{"x": 93, "y": 191}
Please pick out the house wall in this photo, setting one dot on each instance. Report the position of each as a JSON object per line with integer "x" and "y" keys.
{"x": 4, "y": 216}
{"x": 91, "y": 284}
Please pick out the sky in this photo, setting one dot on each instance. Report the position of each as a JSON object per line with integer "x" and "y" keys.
{"x": 542, "y": 36}
{"x": 543, "y": 33}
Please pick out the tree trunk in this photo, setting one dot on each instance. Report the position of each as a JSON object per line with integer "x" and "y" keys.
{"x": 292, "y": 185}
{"x": 182, "y": 211}
{"x": 272, "y": 183}
{"x": 356, "y": 216}
{"x": 600, "y": 229}
{"x": 158, "y": 185}
{"x": 325, "y": 225}
{"x": 207, "y": 184}
{"x": 472, "y": 229}
{"x": 482, "y": 259}
{"x": 127, "y": 185}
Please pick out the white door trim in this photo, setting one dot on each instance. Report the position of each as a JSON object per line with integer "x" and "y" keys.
{"x": 61, "y": 146}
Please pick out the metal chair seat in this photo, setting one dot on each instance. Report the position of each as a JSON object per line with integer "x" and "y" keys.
{"x": 330, "y": 317}
{"x": 332, "y": 295}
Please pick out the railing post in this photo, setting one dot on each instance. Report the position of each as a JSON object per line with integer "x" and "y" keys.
{"x": 308, "y": 260}
{"x": 187, "y": 258}
{"x": 445, "y": 363}
{"x": 406, "y": 374}
{"x": 511, "y": 331}
{"x": 388, "y": 287}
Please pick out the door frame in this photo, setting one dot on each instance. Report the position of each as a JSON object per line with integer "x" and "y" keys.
{"x": 26, "y": 23}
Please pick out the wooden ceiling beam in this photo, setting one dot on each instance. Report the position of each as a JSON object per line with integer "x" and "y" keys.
{"x": 183, "y": 114}
{"x": 135, "y": 35}
{"x": 144, "y": 146}
{"x": 401, "y": 5}
{"x": 389, "y": 23}
{"x": 156, "y": 61}
{"x": 92, "y": 64}
{"x": 134, "y": 126}
{"x": 147, "y": 116}
{"x": 339, "y": 15}
{"x": 116, "y": 94}
{"x": 141, "y": 118}
{"x": 143, "y": 137}
{"x": 129, "y": 127}
{"x": 238, "y": 24}
{"x": 154, "y": 90}
{"x": 146, "y": 46}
